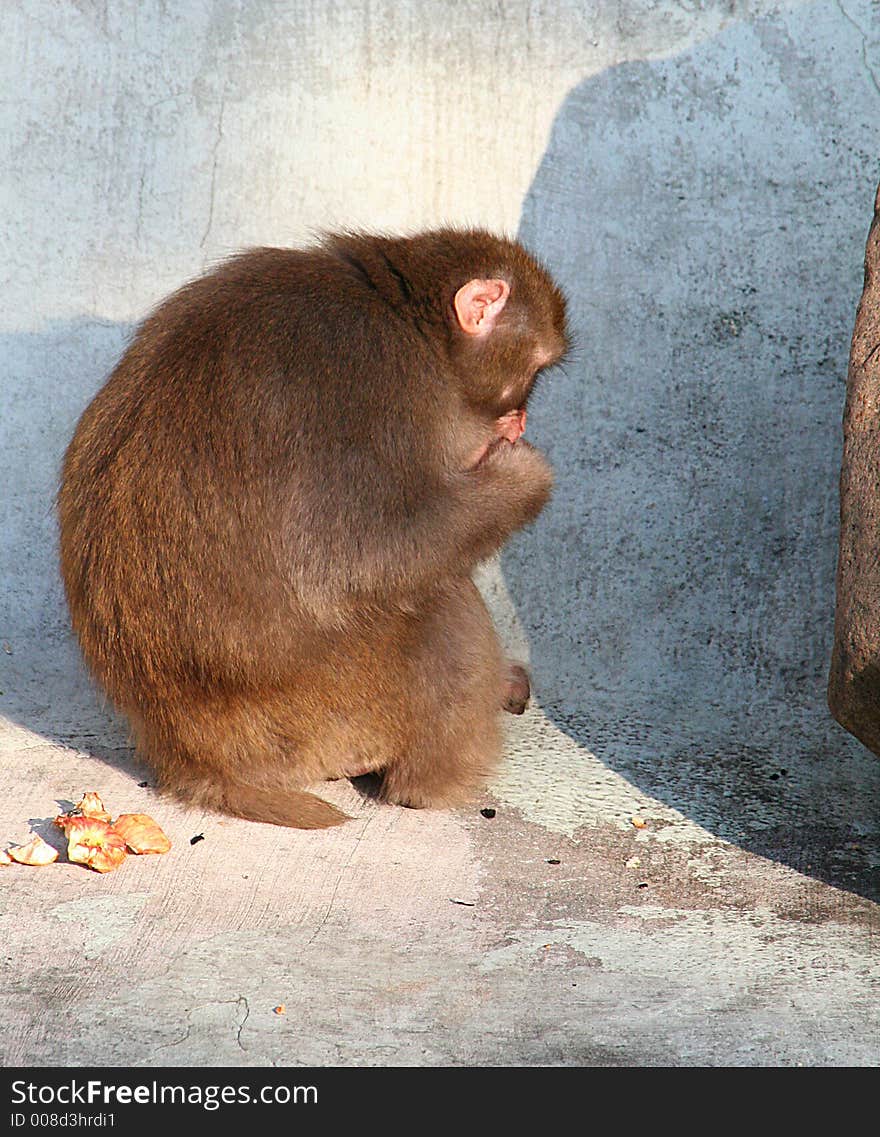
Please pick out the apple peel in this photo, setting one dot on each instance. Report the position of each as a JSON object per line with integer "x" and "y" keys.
{"x": 91, "y": 806}
{"x": 93, "y": 839}
{"x": 35, "y": 852}
{"x": 92, "y": 842}
{"x": 141, "y": 833}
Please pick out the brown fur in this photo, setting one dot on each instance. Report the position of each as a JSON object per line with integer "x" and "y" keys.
{"x": 269, "y": 518}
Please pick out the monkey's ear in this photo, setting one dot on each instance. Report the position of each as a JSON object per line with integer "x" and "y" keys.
{"x": 479, "y": 303}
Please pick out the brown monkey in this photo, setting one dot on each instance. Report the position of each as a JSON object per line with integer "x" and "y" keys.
{"x": 271, "y": 511}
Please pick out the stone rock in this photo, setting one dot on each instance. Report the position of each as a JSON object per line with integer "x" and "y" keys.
{"x": 854, "y": 682}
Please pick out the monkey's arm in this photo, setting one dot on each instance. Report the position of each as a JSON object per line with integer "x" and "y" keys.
{"x": 463, "y": 520}
{"x": 502, "y": 493}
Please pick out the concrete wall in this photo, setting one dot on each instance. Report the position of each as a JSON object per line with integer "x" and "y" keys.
{"x": 699, "y": 177}
{"x": 707, "y": 214}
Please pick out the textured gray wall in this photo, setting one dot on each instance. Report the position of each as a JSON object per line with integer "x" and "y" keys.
{"x": 142, "y": 141}
{"x": 707, "y": 213}
{"x": 698, "y": 176}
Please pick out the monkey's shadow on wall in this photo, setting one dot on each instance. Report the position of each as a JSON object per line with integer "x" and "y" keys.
{"x": 678, "y": 593}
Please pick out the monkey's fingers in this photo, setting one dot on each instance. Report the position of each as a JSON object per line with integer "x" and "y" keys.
{"x": 512, "y": 426}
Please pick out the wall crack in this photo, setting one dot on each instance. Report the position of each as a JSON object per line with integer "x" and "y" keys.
{"x": 875, "y": 83}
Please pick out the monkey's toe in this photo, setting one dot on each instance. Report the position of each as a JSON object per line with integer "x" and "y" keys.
{"x": 517, "y": 689}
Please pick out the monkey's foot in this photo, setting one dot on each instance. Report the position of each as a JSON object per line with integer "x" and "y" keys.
{"x": 517, "y": 689}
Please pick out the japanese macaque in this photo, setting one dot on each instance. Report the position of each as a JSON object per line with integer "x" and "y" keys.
{"x": 271, "y": 512}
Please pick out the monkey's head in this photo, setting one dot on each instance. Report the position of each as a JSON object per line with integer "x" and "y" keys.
{"x": 503, "y": 321}
{"x": 485, "y": 304}
{"x": 507, "y": 322}
{"x": 497, "y": 310}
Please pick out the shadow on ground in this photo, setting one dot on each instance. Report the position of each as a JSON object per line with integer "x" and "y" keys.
{"x": 708, "y": 226}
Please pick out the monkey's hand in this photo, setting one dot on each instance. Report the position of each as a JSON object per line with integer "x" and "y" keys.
{"x": 507, "y": 429}
{"x": 504, "y": 492}
{"x": 520, "y": 476}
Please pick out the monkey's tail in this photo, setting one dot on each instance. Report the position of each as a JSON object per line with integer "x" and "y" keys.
{"x": 171, "y": 743}
{"x": 279, "y": 805}
{"x": 293, "y": 808}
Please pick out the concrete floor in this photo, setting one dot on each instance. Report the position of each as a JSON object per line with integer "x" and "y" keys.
{"x": 700, "y": 179}
{"x": 428, "y": 938}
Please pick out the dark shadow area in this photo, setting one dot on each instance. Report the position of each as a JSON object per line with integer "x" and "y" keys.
{"x": 49, "y": 377}
{"x": 706, "y": 216}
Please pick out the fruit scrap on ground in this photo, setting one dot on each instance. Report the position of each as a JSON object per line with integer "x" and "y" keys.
{"x": 92, "y": 842}
{"x": 35, "y": 852}
{"x": 93, "y": 839}
{"x": 92, "y": 806}
{"x": 141, "y": 833}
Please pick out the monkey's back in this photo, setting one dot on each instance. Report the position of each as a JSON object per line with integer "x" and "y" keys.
{"x": 256, "y": 424}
